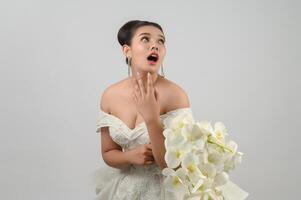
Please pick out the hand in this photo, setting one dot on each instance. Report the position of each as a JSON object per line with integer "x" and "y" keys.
{"x": 141, "y": 155}
{"x": 146, "y": 100}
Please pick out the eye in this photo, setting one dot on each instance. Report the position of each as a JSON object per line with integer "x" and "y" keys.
{"x": 144, "y": 38}
{"x": 162, "y": 41}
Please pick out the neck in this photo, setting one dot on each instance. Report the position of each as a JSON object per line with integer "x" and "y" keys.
{"x": 143, "y": 74}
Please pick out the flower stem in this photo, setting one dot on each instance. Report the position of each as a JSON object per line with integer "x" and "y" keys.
{"x": 220, "y": 145}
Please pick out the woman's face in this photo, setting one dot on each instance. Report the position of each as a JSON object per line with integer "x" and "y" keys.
{"x": 147, "y": 40}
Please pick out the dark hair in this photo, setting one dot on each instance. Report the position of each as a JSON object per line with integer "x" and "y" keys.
{"x": 126, "y": 32}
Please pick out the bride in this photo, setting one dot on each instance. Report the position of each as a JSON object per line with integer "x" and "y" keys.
{"x": 131, "y": 118}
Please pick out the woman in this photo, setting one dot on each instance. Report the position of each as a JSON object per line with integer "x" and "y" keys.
{"x": 131, "y": 116}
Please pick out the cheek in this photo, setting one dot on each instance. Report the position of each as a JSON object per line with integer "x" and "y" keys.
{"x": 139, "y": 50}
{"x": 163, "y": 49}
{"x": 163, "y": 52}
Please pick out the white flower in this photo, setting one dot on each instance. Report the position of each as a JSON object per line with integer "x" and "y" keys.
{"x": 175, "y": 180}
{"x": 194, "y": 135}
{"x": 206, "y": 127}
{"x": 173, "y": 156}
{"x": 221, "y": 179}
{"x": 211, "y": 195}
{"x": 208, "y": 169}
{"x": 190, "y": 164}
{"x": 176, "y": 123}
{"x": 201, "y": 156}
{"x": 232, "y": 145}
{"x": 220, "y": 131}
{"x": 233, "y": 161}
{"x": 232, "y": 158}
{"x": 216, "y": 158}
{"x": 173, "y": 138}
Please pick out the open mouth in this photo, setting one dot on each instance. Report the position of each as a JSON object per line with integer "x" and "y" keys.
{"x": 153, "y": 57}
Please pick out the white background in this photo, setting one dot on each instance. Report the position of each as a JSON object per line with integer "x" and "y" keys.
{"x": 239, "y": 62}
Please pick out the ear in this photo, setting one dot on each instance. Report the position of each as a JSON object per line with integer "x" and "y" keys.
{"x": 126, "y": 49}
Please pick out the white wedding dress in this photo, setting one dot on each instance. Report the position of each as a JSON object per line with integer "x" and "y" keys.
{"x": 139, "y": 182}
{"x": 136, "y": 182}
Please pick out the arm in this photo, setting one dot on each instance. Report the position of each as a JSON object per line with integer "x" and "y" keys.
{"x": 112, "y": 153}
{"x": 177, "y": 99}
{"x": 155, "y": 130}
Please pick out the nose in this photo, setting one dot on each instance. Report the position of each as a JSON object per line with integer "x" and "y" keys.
{"x": 156, "y": 48}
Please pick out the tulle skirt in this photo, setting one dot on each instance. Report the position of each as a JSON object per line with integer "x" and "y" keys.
{"x": 143, "y": 183}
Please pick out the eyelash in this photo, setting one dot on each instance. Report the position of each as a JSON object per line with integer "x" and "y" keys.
{"x": 148, "y": 39}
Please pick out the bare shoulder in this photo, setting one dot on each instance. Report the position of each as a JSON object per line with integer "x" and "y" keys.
{"x": 105, "y": 99}
{"x": 110, "y": 95}
{"x": 174, "y": 96}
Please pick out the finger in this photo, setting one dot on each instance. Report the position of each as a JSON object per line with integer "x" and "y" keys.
{"x": 137, "y": 92}
{"x": 134, "y": 97}
{"x": 149, "y": 146}
{"x": 150, "y": 158}
{"x": 136, "y": 81}
{"x": 149, "y": 162}
{"x": 149, "y": 83}
{"x": 149, "y": 153}
{"x": 141, "y": 87}
{"x": 156, "y": 94}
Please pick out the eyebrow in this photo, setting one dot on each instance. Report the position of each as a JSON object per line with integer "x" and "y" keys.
{"x": 150, "y": 34}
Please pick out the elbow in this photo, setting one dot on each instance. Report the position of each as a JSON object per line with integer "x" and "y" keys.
{"x": 104, "y": 158}
{"x": 162, "y": 165}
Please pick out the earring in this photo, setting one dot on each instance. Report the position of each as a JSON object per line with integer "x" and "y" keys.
{"x": 162, "y": 73}
{"x": 129, "y": 66}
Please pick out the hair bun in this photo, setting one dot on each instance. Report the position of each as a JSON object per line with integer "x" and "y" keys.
{"x": 125, "y": 32}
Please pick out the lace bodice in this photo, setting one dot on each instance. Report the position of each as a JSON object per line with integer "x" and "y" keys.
{"x": 130, "y": 138}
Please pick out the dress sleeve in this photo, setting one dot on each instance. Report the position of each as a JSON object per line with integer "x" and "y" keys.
{"x": 103, "y": 120}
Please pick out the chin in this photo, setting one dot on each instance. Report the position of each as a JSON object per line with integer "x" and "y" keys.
{"x": 152, "y": 69}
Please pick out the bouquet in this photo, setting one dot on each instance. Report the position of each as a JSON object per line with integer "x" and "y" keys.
{"x": 198, "y": 159}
